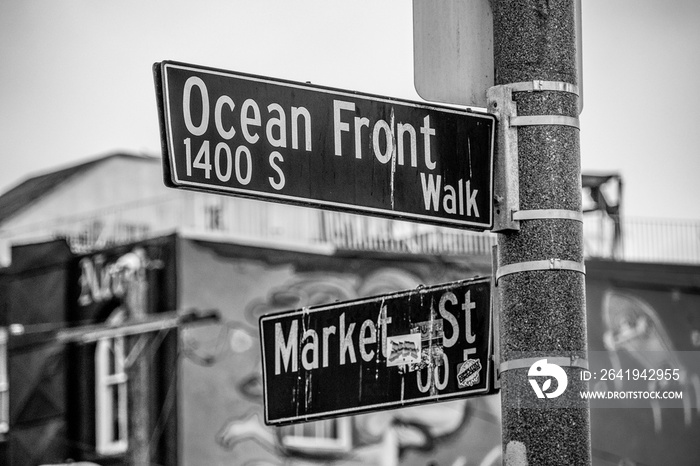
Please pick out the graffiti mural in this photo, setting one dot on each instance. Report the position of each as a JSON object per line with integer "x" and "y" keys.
{"x": 642, "y": 317}
{"x": 631, "y": 307}
{"x": 382, "y": 438}
{"x": 414, "y": 428}
{"x": 633, "y": 329}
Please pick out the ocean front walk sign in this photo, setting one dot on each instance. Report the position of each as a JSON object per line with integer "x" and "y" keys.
{"x": 238, "y": 134}
{"x": 425, "y": 345}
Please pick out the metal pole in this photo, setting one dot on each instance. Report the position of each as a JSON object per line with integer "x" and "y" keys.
{"x": 541, "y": 282}
{"x": 138, "y": 373}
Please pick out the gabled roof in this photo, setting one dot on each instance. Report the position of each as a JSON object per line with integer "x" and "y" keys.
{"x": 35, "y": 187}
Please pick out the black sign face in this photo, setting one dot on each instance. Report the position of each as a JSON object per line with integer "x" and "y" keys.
{"x": 251, "y": 136}
{"x": 419, "y": 346}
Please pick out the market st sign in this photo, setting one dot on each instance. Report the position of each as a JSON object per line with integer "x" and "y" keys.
{"x": 282, "y": 141}
{"x": 413, "y": 347}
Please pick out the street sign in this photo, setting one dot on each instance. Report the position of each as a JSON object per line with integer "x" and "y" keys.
{"x": 232, "y": 133}
{"x": 420, "y": 346}
{"x": 453, "y": 50}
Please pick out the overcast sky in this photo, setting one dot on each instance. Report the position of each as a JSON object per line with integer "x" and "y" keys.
{"x": 76, "y": 82}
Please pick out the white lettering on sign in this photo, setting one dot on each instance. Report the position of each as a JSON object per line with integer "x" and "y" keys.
{"x": 298, "y": 112}
{"x": 101, "y": 280}
{"x": 462, "y": 199}
{"x": 249, "y": 121}
{"x": 382, "y": 127}
{"x": 276, "y": 125}
{"x": 368, "y": 335}
{"x": 286, "y": 348}
{"x": 388, "y": 138}
{"x": 404, "y": 129}
{"x": 383, "y": 322}
{"x": 279, "y": 181}
{"x": 196, "y": 130}
{"x": 427, "y": 131}
{"x": 218, "y": 110}
{"x": 433, "y": 376}
{"x": 224, "y": 136}
{"x": 421, "y": 349}
{"x": 223, "y": 175}
{"x": 449, "y": 317}
{"x": 309, "y": 347}
{"x": 250, "y": 116}
{"x": 340, "y": 126}
{"x": 468, "y": 307}
{"x": 346, "y": 345}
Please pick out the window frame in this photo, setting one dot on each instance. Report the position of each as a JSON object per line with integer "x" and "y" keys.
{"x": 4, "y": 384}
{"x": 294, "y": 437}
{"x": 107, "y": 415}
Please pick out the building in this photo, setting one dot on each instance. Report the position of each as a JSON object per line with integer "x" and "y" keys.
{"x": 71, "y": 364}
{"x": 212, "y": 402}
{"x": 195, "y": 256}
{"x": 120, "y": 198}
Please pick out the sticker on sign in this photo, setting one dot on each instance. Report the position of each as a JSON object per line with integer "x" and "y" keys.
{"x": 238, "y": 134}
{"x": 419, "y": 346}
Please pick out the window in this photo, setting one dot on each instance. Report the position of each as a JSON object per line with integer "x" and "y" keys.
{"x": 332, "y": 435}
{"x": 111, "y": 415}
{"x": 4, "y": 385}
{"x": 214, "y": 214}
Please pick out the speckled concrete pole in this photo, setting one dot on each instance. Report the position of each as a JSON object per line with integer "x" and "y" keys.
{"x": 543, "y": 312}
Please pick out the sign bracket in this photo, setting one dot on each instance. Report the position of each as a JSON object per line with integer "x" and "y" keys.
{"x": 506, "y": 182}
{"x": 496, "y": 315}
{"x": 506, "y": 179}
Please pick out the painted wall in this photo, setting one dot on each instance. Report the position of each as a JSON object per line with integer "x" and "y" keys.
{"x": 635, "y": 307}
{"x": 48, "y": 290}
{"x": 221, "y": 411}
{"x": 34, "y": 295}
{"x": 630, "y": 306}
{"x": 115, "y": 181}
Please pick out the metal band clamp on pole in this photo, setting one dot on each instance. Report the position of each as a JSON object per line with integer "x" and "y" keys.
{"x": 549, "y": 264}
{"x": 572, "y": 361}
{"x": 544, "y": 120}
{"x": 540, "y": 85}
{"x": 541, "y": 214}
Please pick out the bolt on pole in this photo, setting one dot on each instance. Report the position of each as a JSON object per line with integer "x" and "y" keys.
{"x": 540, "y": 273}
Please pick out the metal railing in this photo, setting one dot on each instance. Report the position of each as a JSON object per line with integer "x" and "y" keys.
{"x": 643, "y": 240}
{"x": 661, "y": 240}
{"x": 354, "y": 232}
